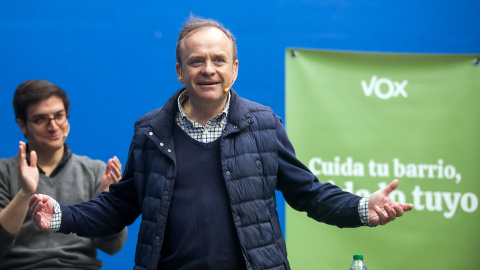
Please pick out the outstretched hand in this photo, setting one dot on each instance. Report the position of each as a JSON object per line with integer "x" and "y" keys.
{"x": 41, "y": 210}
{"x": 382, "y": 209}
{"x": 29, "y": 174}
{"x": 113, "y": 173}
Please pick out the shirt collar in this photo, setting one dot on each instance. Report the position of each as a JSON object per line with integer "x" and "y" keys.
{"x": 67, "y": 154}
{"x": 184, "y": 96}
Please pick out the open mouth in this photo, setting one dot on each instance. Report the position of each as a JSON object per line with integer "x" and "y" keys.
{"x": 208, "y": 83}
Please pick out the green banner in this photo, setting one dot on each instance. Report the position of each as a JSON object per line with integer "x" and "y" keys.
{"x": 360, "y": 120}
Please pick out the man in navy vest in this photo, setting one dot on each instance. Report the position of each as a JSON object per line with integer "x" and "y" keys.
{"x": 202, "y": 171}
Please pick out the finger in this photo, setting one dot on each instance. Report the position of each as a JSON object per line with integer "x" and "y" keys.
{"x": 109, "y": 166}
{"x": 406, "y": 206}
{"x": 117, "y": 161}
{"x": 381, "y": 216}
{"x": 399, "y": 210}
{"x": 35, "y": 211}
{"x": 32, "y": 200}
{"x": 117, "y": 167}
{"x": 21, "y": 146}
{"x": 115, "y": 178}
{"x": 39, "y": 222}
{"x": 33, "y": 205}
{"x": 33, "y": 159}
{"x": 390, "y": 212}
{"x": 21, "y": 152}
{"x": 391, "y": 187}
{"x": 117, "y": 172}
{"x": 38, "y": 210}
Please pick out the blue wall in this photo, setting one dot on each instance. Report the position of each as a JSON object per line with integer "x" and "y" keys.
{"x": 116, "y": 59}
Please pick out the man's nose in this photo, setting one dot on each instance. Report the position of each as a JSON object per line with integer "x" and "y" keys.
{"x": 208, "y": 68}
{"x": 52, "y": 123}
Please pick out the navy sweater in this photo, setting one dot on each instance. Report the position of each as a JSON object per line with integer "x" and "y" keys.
{"x": 200, "y": 233}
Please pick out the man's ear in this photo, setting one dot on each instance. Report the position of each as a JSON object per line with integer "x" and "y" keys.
{"x": 235, "y": 70}
{"x": 178, "y": 67}
{"x": 22, "y": 125}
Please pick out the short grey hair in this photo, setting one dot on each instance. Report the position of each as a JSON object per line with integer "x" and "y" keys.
{"x": 196, "y": 22}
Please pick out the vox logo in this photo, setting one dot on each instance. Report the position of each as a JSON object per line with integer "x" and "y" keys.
{"x": 384, "y": 88}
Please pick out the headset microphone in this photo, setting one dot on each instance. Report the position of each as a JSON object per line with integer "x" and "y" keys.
{"x": 65, "y": 134}
{"x": 228, "y": 88}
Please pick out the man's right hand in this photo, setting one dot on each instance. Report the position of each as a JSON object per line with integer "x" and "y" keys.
{"x": 41, "y": 210}
{"x": 13, "y": 215}
{"x": 29, "y": 174}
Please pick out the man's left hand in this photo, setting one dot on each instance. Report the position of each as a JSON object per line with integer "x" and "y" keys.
{"x": 113, "y": 173}
{"x": 382, "y": 209}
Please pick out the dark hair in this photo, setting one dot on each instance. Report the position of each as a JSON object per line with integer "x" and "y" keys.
{"x": 194, "y": 23}
{"x": 33, "y": 91}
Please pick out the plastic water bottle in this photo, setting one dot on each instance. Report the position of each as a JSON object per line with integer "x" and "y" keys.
{"x": 358, "y": 263}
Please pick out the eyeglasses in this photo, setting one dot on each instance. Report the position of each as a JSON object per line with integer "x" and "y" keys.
{"x": 44, "y": 120}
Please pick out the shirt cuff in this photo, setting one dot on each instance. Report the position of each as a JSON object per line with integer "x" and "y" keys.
{"x": 56, "y": 218}
{"x": 363, "y": 211}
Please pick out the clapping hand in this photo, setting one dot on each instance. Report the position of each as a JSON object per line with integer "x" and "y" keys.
{"x": 113, "y": 173}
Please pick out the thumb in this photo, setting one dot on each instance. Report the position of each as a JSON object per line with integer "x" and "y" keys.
{"x": 391, "y": 187}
